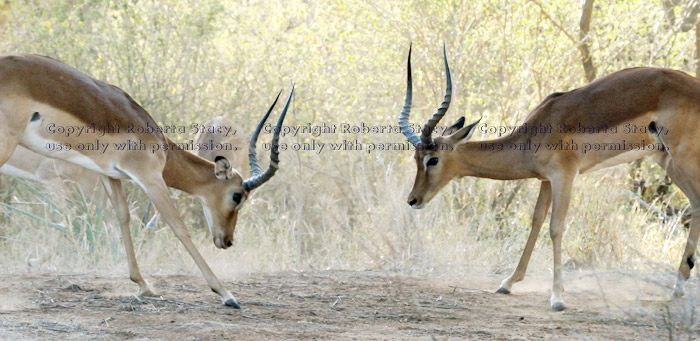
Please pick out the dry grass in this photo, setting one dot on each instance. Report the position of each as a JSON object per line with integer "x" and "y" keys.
{"x": 185, "y": 61}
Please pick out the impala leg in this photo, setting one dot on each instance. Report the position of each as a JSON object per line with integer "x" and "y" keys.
{"x": 561, "y": 195}
{"x": 6, "y": 150}
{"x": 158, "y": 193}
{"x": 679, "y": 174}
{"x": 543, "y": 202}
{"x": 116, "y": 195}
{"x": 688, "y": 260}
{"x": 10, "y": 135}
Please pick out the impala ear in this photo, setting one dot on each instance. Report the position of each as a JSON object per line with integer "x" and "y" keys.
{"x": 222, "y": 168}
{"x": 463, "y": 134}
{"x": 456, "y": 126}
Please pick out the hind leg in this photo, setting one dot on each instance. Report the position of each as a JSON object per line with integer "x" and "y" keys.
{"x": 9, "y": 139}
{"x": 15, "y": 115}
{"x": 116, "y": 195}
{"x": 688, "y": 260}
{"x": 10, "y": 136}
{"x": 686, "y": 176}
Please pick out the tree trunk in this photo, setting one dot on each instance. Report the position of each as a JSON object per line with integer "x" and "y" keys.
{"x": 584, "y": 27}
{"x": 697, "y": 50}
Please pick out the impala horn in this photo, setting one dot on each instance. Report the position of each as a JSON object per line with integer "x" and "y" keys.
{"x": 425, "y": 139}
{"x": 403, "y": 118}
{"x": 257, "y": 177}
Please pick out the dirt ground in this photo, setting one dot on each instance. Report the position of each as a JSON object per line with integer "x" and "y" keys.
{"x": 327, "y": 305}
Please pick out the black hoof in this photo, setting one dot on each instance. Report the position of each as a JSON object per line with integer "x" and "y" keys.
{"x": 558, "y": 306}
{"x": 232, "y": 303}
{"x": 503, "y": 291}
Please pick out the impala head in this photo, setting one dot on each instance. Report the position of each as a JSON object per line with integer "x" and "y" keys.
{"x": 435, "y": 158}
{"x": 221, "y": 215}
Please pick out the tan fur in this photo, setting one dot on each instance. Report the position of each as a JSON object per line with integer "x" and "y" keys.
{"x": 238, "y": 156}
{"x": 36, "y": 92}
{"x": 636, "y": 97}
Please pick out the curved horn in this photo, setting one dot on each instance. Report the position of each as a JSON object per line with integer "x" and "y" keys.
{"x": 426, "y": 138}
{"x": 252, "y": 156}
{"x": 257, "y": 177}
{"x": 403, "y": 118}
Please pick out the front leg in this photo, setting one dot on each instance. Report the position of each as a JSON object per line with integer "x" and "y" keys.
{"x": 543, "y": 202}
{"x": 561, "y": 196}
{"x": 158, "y": 193}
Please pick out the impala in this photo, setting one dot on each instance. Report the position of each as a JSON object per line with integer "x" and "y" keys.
{"x": 663, "y": 104}
{"x": 54, "y": 174}
{"x": 236, "y": 155}
{"x": 37, "y": 91}
{"x": 57, "y": 174}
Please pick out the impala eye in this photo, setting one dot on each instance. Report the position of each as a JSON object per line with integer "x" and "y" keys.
{"x": 432, "y": 161}
{"x": 237, "y": 197}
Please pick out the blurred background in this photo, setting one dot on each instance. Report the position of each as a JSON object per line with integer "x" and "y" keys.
{"x": 186, "y": 61}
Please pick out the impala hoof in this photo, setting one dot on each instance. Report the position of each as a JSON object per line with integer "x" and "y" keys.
{"x": 148, "y": 293}
{"x": 503, "y": 290}
{"x": 558, "y": 306}
{"x": 232, "y": 303}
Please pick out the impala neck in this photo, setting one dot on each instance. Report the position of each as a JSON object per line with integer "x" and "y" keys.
{"x": 486, "y": 159}
{"x": 188, "y": 172}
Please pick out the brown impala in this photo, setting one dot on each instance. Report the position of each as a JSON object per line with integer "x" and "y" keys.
{"x": 41, "y": 99}
{"x": 616, "y": 119}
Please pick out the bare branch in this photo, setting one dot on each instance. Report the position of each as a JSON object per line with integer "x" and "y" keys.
{"x": 555, "y": 23}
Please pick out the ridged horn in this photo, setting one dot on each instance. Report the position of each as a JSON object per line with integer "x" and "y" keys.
{"x": 426, "y": 138}
{"x": 406, "y": 113}
{"x": 257, "y": 177}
